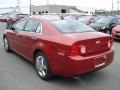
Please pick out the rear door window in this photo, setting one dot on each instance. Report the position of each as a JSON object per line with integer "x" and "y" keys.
{"x": 32, "y": 25}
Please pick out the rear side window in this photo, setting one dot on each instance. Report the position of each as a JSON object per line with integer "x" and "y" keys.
{"x": 115, "y": 20}
{"x": 32, "y": 25}
{"x": 119, "y": 20}
{"x": 20, "y": 25}
{"x": 71, "y": 26}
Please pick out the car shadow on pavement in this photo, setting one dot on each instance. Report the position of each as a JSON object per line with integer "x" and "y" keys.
{"x": 24, "y": 60}
{"x": 73, "y": 79}
{"x": 89, "y": 78}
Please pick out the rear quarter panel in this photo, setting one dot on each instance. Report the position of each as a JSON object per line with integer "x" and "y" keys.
{"x": 54, "y": 48}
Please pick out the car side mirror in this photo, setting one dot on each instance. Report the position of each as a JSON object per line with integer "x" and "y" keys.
{"x": 90, "y": 22}
{"x": 12, "y": 28}
{"x": 113, "y": 25}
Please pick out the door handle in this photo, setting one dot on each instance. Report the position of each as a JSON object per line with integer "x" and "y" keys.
{"x": 34, "y": 38}
{"x": 17, "y": 34}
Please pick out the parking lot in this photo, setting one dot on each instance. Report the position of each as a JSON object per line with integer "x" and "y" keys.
{"x": 18, "y": 74}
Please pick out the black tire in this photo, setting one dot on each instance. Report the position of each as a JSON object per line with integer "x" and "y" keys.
{"x": 42, "y": 66}
{"x": 6, "y": 45}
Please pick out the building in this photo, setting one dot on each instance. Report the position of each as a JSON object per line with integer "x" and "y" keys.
{"x": 53, "y": 9}
{"x": 9, "y": 10}
{"x": 88, "y": 10}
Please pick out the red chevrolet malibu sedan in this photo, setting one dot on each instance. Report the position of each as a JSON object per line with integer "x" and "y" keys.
{"x": 59, "y": 47}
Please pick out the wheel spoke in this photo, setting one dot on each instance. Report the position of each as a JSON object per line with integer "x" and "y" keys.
{"x": 40, "y": 73}
{"x": 43, "y": 72}
{"x": 42, "y": 61}
{"x": 44, "y": 67}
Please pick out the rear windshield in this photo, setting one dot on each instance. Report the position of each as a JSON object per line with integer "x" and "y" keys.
{"x": 71, "y": 26}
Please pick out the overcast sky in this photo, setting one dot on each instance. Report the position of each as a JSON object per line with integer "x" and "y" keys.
{"x": 100, "y": 4}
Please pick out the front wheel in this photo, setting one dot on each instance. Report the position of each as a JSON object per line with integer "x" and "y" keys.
{"x": 6, "y": 45}
{"x": 42, "y": 66}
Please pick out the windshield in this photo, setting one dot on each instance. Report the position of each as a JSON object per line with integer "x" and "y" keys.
{"x": 71, "y": 26}
{"x": 104, "y": 20}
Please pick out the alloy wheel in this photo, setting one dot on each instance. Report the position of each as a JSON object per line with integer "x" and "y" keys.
{"x": 41, "y": 66}
{"x": 6, "y": 45}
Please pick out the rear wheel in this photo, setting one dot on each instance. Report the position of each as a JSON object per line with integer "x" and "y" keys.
{"x": 42, "y": 67}
{"x": 6, "y": 45}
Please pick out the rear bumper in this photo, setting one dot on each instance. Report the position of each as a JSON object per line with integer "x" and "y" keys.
{"x": 77, "y": 65}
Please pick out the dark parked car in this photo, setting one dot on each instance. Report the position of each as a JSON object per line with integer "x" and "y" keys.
{"x": 59, "y": 47}
{"x": 14, "y": 18}
{"x": 3, "y": 18}
{"x": 86, "y": 19}
{"x": 105, "y": 24}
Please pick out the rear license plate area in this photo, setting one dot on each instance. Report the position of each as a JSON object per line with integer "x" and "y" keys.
{"x": 99, "y": 61}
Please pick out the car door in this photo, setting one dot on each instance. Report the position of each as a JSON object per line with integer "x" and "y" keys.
{"x": 28, "y": 37}
{"x": 14, "y": 35}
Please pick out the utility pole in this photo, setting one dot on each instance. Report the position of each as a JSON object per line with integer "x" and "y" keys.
{"x": 118, "y": 1}
{"x": 112, "y": 8}
{"x": 30, "y": 7}
{"x": 47, "y": 2}
{"x": 18, "y": 6}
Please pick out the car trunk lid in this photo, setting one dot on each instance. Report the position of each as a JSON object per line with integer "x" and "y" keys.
{"x": 95, "y": 42}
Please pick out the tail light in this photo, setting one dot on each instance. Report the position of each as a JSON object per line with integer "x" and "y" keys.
{"x": 77, "y": 50}
{"x": 82, "y": 49}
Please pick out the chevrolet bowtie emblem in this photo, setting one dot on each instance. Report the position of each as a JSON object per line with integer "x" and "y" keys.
{"x": 97, "y": 42}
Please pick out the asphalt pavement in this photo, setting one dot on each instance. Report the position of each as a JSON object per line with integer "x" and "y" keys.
{"x": 16, "y": 73}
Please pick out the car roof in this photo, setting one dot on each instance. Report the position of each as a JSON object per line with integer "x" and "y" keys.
{"x": 46, "y": 17}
